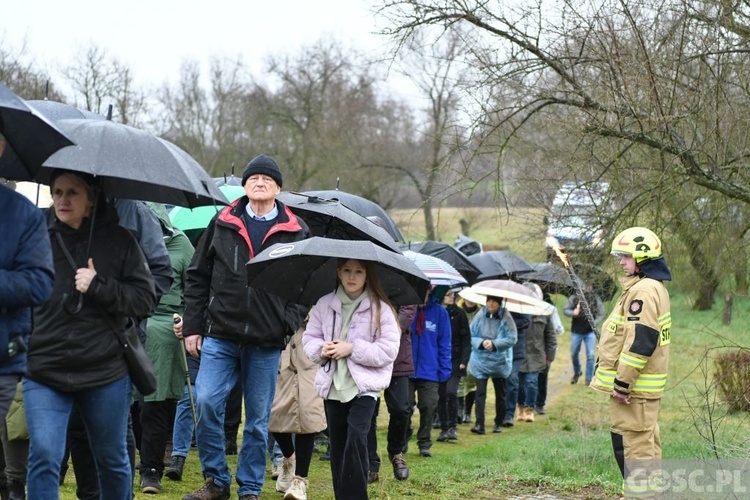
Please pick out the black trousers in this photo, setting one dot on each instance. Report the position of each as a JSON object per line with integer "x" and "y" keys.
{"x": 481, "y": 399}
{"x": 541, "y": 395}
{"x": 300, "y": 445}
{"x": 155, "y": 432}
{"x": 396, "y": 397}
{"x": 348, "y": 425}
{"x": 448, "y": 402}
{"x": 424, "y": 395}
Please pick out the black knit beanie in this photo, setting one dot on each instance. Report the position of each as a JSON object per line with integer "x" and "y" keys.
{"x": 262, "y": 164}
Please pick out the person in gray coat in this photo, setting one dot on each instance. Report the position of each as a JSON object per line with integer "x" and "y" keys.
{"x": 541, "y": 347}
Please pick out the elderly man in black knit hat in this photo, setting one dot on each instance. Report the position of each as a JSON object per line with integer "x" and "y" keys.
{"x": 238, "y": 331}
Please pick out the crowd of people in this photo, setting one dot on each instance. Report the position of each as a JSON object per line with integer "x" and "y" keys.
{"x": 81, "y": 278}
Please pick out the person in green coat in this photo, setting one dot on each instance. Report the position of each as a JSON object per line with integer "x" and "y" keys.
{"x": 168, "y": 357}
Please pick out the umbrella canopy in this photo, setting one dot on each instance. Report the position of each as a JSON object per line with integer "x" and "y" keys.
{"x": 518, "y": 298}
{"x": 437, "y": 270}
{"x": 55, "y": 111}
{"x": 30, "y": 137}
{"x": 551, "y": 278}
{"x": 602, "y": 283}
{"x": 498, "y": 264}
{"x": 449, "y": 254}
{"x": 363, "y": 206}
{"x": 304, "y": 271}
{"x": 132, "y": 163}
{"x": 230, "y": 180}
{"x": 332, "y": 219}
{"x": 191, "y": 220}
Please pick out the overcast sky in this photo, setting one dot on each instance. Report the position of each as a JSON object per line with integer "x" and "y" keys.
{"x": 153, "y": 37}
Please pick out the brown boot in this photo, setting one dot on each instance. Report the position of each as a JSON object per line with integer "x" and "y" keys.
{"x": 528, "y": 414}
{"x": 209, "y": 491}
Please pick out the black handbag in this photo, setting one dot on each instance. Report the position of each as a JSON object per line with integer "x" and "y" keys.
{"x": 140, "y": 367}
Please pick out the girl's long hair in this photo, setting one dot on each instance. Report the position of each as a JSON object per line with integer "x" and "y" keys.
{"x": 375, "y": 293}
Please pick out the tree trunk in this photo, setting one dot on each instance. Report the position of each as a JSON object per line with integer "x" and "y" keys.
{"x": 727, "y": 316}
{"x": 429, "y": 222}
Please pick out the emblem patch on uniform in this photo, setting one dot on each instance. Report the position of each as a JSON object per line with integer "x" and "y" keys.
{"x": 636, "y": 306}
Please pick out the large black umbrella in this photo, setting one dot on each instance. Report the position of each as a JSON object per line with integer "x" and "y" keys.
{"x": 447, "y": 253}
{"x": 552, "y": 278}
{"x": 304, "y": 271}
{"x": 499, "y": 264}
{"x": 332, "y": 219}
{"x": 363, "y": 206}
{"x": 131, "y": 163}
{"x": 31, "y": 138}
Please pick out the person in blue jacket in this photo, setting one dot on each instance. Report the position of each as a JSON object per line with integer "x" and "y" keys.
{"x": 26, "y": 280}
{"x": 431, "y": 353}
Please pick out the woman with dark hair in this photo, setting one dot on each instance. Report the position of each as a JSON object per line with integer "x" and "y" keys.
{"x": 353, "y": 335}
{"x": 101, "y": 280}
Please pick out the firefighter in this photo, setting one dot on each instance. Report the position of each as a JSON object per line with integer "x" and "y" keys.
{"x": 633, "y": 355}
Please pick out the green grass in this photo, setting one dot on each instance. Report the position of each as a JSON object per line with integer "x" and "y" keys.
{"x": 566, "y": 452}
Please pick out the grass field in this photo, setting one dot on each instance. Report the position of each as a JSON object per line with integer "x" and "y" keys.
{"x": 565, "y": 453}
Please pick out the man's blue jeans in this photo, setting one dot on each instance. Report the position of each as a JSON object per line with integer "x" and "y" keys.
{"x": 104, "y": 410}
{"x": 511, "y": 392}
{"x": 182, "y": 435}
{"x": 589, "y": 339}
{"x": 529, "y": 386}
{"x": 222, "y": 363}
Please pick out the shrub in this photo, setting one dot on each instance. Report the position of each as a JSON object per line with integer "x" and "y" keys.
{"x": 733, "y": 378}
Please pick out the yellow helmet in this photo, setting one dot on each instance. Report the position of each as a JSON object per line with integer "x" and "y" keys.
{"x": 640, "y": 243}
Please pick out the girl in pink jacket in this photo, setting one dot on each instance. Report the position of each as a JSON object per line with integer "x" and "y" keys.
{"x": 353, "y": 336}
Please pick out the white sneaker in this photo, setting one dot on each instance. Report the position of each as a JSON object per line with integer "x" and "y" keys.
{"x": 275, "y": 471}
{"x": 298, "y": 489}
{"x": 284, "y": 481}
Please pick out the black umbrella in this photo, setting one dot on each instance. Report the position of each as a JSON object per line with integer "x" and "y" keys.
{"x": 131, "y": 163}
{"x": 552, "y": 278}
{"x": 55, "y": 110}
{"x": 602, "y": 283}
{"x": 499, "y": 264}
{"x": 363, "y": 206}
{"x": 332, "y": 219}
{"x": 31, "y": 138}
{"x": 304, "y": 271}
{"x": 449, "y": 254}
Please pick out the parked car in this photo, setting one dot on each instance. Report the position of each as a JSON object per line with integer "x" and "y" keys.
{"x": 578, "y": 221}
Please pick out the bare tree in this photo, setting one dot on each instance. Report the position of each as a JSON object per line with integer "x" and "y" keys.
{"x": 435, "y": 69}
{"x": 19, "y": 74}
{"x": 99, "y": 80}
{"x": 653, "y": 92}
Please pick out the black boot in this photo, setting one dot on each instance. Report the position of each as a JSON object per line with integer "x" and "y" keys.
{"x": 175, "y": 470}
{"x": 150, "y": 481}
{"x": 3, "y": 490}
{"x": 16, "y": 490}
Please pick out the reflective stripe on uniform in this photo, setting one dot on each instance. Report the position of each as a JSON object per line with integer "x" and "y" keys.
{"x": 647, "y": 382}
{"x": 629, "y": 360}
{"x": 606, "y": 378}
{"x": 651, "y": 382}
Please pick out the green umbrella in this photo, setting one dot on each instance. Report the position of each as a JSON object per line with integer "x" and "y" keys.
{"x": 194, "y": 221}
